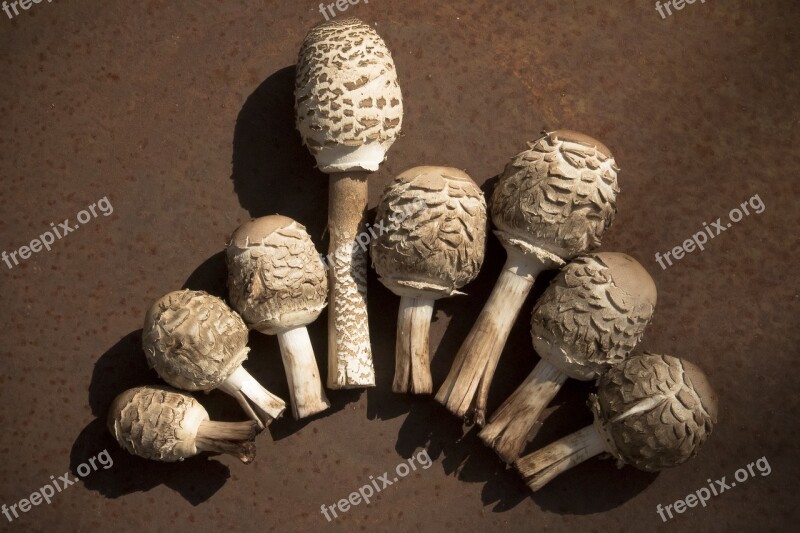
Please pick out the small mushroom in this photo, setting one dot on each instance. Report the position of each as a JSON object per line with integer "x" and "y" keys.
{"x": 650, "y": 411}
{"x": 196, "y": 342}
{"x": 348, "y": 110}
{"x": 590, "y": 318}
{"x": 277, "y": 283}
{"x": 167, "y": 425}
{"x": 552, "y": 203}
{"x": 432, "y": 245}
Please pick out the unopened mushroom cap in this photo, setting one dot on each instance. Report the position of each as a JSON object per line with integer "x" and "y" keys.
{"x": 431, "y": 228}
{"x": 194, "y": 340}
{"x": 156, "y": 423}
{"x": 348, "y": 105}
{"x": 654, "y": 411}
{"x": 558, "y": 196}
{"x": 593, "y": 313}
{"x": 276, "y": 279}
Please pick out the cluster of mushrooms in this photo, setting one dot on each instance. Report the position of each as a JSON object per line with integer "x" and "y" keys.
{"x": 550, "y": 209}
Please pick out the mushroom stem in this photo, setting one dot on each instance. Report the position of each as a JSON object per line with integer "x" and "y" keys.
{"x": 244, "y": 451}
{"x": 511, "y": 425}
{"x": 242, "y": 386}
{"x": 467, "y": 385}
{"x": 233, "y": 438}
{"x": 305, "y": 387}
{"x": 541, "y": 466}
{"x": 349, "y": 352}
{"x": 412, "y": 369}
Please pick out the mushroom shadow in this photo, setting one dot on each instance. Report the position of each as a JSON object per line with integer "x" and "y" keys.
{"x": 272, "y": 171}
{"x": 121, "y": 367}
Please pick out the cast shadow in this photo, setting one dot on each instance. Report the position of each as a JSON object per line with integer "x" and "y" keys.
{"x": 272, "y": 171}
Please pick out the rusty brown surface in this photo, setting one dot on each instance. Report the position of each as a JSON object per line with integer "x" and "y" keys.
{"x": 181, "y": 114}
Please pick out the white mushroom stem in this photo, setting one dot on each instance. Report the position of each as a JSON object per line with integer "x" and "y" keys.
{"x": 412, "y": 369}
{"x": 233, "y": 438}
{"x": 349, "y": 352}
{"x": 305, "y": 387}
{"x": 265, "y": 405}
{"x": 511, "y": 425}
{"x": 467, "y": 385}
{"x": 540, "y": 467}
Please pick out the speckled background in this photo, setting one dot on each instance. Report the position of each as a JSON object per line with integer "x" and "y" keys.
{"x": 181, "y": 114}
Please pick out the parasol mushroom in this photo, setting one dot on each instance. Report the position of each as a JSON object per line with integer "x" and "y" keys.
{"x": 650, "y": 411}
{"x": 166, "y": 425}
{"x": 553, "y": 202}
{"x": 277, "y": 283}
{"x": 590, "y": 318}
{"x": 428, "y": 253}
{"x": 349, "y": 111}
{"x": 196, "y": 342}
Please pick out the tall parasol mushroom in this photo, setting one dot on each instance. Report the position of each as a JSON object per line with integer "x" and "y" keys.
{"x": 434, "y": 245}
{"x": 650, "y": 411}
{"x": 196, "y": 342}
{"x": 166, "y": 425}
{"x": 277, "y": 283}
{"x": 590, "y": 318}
{"x": 552, "y": 203}
{"x": 349, "y": 111}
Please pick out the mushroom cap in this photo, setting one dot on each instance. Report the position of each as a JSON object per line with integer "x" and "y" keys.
{"x": 348, "y": 105}
{"x": 559, "y": 195}
{"x": 431, "y": 226}
{"x": 276, "y": 279}
{"x": 593, "y": 314}
{"x": 654, "y": 411}
{"x": 156, "y": 423}
{"x": 194, "y": 340}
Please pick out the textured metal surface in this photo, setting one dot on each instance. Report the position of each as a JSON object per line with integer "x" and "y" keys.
{"x": 182, "y": 115}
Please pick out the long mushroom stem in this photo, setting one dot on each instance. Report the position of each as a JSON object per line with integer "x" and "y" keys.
{"x": 242, "y": 386}
{"x": 412, "y": 369}
{"x": 305, "y": 387}
{"x": 467, "y": 385}
{"x": 233, "y": 438}
{"x": 541, "y": 466}
{"x": 511, "y": 425}
{"x": 349, "y": 352}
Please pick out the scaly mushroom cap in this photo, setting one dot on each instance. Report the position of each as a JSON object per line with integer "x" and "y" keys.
{"x": 654, "y": 411}
{"x": 558, "y": 196}
{"x": 194, "y": 340}
{"x": 431, "y": 226}
{"x": 276, "y": 279}
{"x": 348, "y": 106}
{"x": 593, "y": 314}
{"x": 156, "y": 423}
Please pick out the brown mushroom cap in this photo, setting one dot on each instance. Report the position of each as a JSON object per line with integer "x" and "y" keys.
{"x": 593, "y": 314}
{"x": 193, "y": 340}
{"x": 654, "y": 411}
{"x": 348, "y": 105}
{"x": 276, "y": 279}
{"x": 558, "y": 196}
{"x": 156, "y": 423}
{"x": 431, "y": 227}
